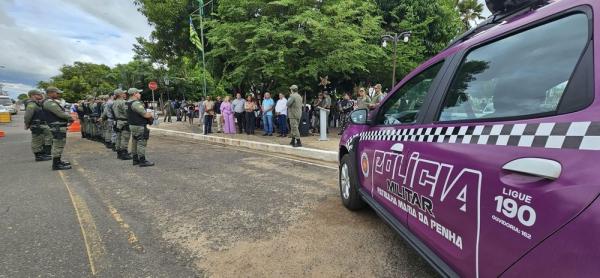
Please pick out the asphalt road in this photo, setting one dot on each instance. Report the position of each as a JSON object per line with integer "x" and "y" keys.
{"x": 203, "y": 210}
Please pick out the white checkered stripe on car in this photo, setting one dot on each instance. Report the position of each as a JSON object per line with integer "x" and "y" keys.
{"x": 572, "y": 135}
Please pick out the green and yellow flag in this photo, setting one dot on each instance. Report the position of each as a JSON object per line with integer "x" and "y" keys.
{"x": 194, "y": 36}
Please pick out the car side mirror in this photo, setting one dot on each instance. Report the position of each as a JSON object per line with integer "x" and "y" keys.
{"x": 359, "y": 117}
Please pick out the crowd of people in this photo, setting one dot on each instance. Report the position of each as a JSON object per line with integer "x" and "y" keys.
{"x": 117, "y": 118}
{"x": 269, "y": 113}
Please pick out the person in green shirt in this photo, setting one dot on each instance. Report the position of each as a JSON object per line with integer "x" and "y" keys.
{"x": 41, "y": 138}
{"x": 138, "y": 120}
{"x": 377, "y": 97}
{"x": 58, "y": 119}
{"x": 294, "y": 105}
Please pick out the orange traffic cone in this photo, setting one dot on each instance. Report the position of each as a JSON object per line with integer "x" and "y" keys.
{"x": 1, "y": 133}
{"x": 75, "y": 126}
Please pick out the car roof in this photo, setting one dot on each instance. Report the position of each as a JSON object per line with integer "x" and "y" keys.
{"x": 519, "y": 19}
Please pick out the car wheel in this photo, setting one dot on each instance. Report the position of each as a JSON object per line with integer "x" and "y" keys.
{"x": 349, "y": 185}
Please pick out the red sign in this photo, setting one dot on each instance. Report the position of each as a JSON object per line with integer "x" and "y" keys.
{"x": 152, "y": 85}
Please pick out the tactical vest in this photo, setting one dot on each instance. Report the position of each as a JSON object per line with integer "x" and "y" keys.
{"x": 97, "y": 111}
{"x": 134, "y": 118}
{"x": 80, "y": 111}
{"x": 113, "y": 109}
{"x": 86, "y": 109}
{"x": 39, "y": 114}
{"x": 50, "y": 117}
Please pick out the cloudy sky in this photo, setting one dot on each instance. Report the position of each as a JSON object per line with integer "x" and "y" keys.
{"x": 37, "y": 37}
{"x": 486, "y": 12}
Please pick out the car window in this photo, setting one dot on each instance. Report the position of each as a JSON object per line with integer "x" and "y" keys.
{"x": 404, "y": 106}
{"x": 524, "y": 74}
{"x": 5, "y": 101}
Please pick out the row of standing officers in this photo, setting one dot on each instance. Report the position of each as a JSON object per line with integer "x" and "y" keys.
{"x": 116, "y": 119}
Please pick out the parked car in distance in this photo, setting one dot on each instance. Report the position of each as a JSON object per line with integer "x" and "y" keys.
{"x": 8, "y": 104}
{"x": 484, "y": 157}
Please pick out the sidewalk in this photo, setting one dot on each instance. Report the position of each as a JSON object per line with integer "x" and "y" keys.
{"x": 312, "y": 147}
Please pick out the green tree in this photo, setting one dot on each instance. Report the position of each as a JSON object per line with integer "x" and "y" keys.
{"x": 433, "y": 25}
{"x": 272, "y": 44}
{"x": 470, "y": 11}
{"x": 170, "y": 38}
{"x": 81, "y": 79}
{"x": 22, "y": 97}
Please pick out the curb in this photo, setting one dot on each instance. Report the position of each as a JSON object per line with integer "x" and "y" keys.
{"x": 309, "y": 153}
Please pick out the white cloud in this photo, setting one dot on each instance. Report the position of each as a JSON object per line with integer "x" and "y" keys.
{"x": 39, "y": 36}
{"x": 15, "y": 89}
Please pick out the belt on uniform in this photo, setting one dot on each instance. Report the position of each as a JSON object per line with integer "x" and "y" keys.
{"x": 58, "y": 124}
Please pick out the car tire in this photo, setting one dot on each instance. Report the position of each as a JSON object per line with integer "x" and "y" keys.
{"x": 348, "y": 181}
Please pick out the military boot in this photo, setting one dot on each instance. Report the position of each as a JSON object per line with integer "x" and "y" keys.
{"x": 66, "y": 163}
{"x": 297, "y": 144}
{"x": 41, "y": 156}
{"x": 293, "y": 142}
{"x": 136, "y": 159}
{"x": 57, "y": 165}
{"x": 125, "y": 155}
{"x": 145, "y": 163}
{"x": 47, "y": 150}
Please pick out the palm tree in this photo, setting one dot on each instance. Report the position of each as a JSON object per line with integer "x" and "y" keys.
{"x": 470, "y": 11}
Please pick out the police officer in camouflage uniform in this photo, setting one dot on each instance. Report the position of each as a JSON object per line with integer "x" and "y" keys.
{"x": 108, "y": 117}
{"x": 58, "y": 119}
{"x": 88, "y": 114}
{"x": 35, "y": 121}
{"x": 104, "y": 121}
{"x": 138, "y": 120}
{"x": 122, "y": 128}
{"x": 94, "y": 117}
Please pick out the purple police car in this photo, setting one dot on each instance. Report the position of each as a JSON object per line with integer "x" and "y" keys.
{"x": 484, "y": 157}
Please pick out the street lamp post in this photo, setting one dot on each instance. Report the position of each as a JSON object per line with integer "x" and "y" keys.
{"x": 395, "y": 38}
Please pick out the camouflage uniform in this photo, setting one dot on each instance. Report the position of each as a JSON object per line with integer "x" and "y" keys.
{"x": 87, "y": 108}
{"x": 108, "y": 115}
{"x": 58, "y": 120}
{"x": 136, "y": 117}
{"x": 123, "y": 134}
{"x": 41, "y": 138}
{"x": 106, "y": 121}
{"x": 294, "y": 105}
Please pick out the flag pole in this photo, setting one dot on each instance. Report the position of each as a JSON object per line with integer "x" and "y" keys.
{"x": 201, "y": 12}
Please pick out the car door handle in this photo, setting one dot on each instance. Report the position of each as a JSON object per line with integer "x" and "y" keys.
{"x": 540, "y": 167}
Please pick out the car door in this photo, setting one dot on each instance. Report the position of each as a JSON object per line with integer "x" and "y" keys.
{"x": 380, "y": 151}
{"x": 503, "y": 161}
